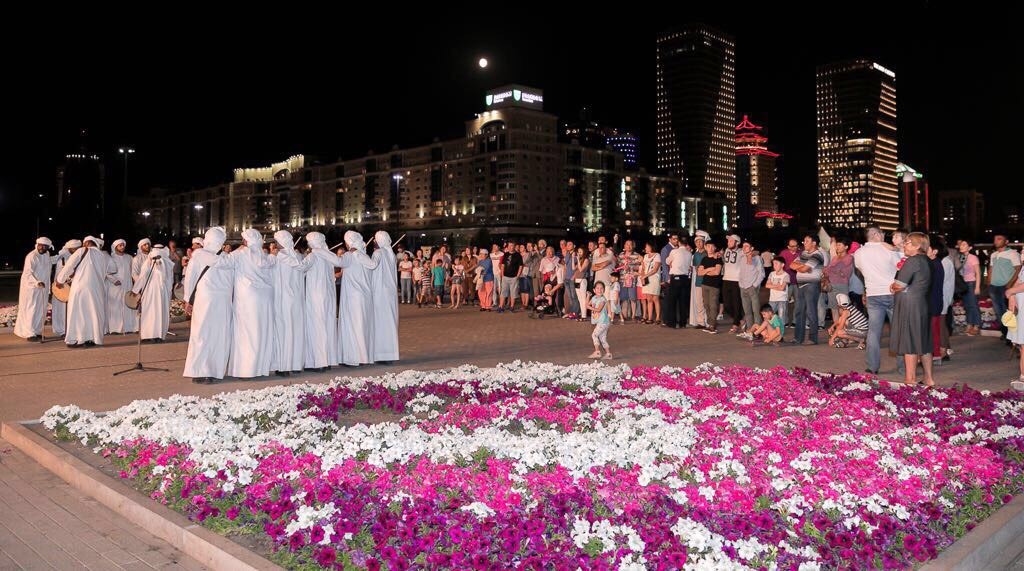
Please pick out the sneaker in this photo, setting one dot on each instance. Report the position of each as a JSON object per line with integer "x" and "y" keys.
{"x": 1018, "y": 385}
{"x": 501, "y": 310}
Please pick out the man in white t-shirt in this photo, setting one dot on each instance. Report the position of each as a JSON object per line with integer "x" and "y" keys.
{"x": 877, "y": 262}
{"x": 731, "y": 282}
{"x": 778, "y": 287}
{"x": 677, "y": 298}
{"x": 1003, "y": 269}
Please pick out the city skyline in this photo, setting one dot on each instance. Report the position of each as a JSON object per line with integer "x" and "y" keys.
{"x": 193, "y": 117}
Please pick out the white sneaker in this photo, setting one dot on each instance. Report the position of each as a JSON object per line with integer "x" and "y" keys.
{"x": 1018, "y": 385}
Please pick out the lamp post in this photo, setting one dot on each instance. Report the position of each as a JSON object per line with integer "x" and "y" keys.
{"x": 126, "y": 152}
{"x": 199, "y": 211}
{"x": 398, "y": 200}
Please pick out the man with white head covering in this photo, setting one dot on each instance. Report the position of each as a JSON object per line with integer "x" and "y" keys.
{"x": 58, "y": 308}
{"x": 252, "y": 348}
{"x": 208, "y": 287}
{"x": 385, "y": 301}
{"x": 197, "y": 244}
{"x": 140, "y": 258}
{"x": 355, "y": 314}
{"x": 87, "y": 301}
{"x": 34, "y": 290}
{"x": 697, "y": 315}
{"x": 120, "y": 318}
{"x": 289, "y": 293}
{"x": 155, "y": 285}
{"x": 321, "y": 305}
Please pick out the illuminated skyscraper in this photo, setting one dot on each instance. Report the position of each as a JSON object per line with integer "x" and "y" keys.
{"x": 696, "y": 73}
{"x": 856, "y": 110}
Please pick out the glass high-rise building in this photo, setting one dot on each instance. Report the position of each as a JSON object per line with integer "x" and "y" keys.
{"x": 696, "y": 120}
{"x": 856, "y": 113}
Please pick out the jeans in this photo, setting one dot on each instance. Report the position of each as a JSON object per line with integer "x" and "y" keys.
{"x": 677, "y": 301}
{"x": 879, "y": 308}
{"x": 971, "y": 306}
{"x": 999, "y": 304}
{"x": 710, "y": 295}
{"x": 731, "y": 299}
{"x": 791, "y": 301}
{"x": 406, "y": 290}
{"x": 751, "y": 300}
{"x": 572, "y": 305}
{"x": 779, "y": 307}
{"x": 807, "y": 295}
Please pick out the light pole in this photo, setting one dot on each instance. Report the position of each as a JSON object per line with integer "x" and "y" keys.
{"x": 126, "y": 151}
{"x": 199, "y": 211}
{"x": 398, "y": 200}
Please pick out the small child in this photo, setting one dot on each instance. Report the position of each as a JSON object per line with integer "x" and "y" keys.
{"x": 417, "y": 281}
{"x": 425, "y": 283}
{"x": 458, "y": 275}
{"x": 771, "y": 328}
{"x": 438, "y": 276}
{"x": 852, "y": 325}
{"x": 613, "y": 298}
{"x": 778, "y": 287}
{"x": 598, "y": 306}
{"x": 543, "y": 304}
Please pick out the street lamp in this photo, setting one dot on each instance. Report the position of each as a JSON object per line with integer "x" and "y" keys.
{"x": 126, "y": 151}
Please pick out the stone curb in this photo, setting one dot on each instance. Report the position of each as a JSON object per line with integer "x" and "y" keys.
{"x": 205, "y": 546}
{"x": 986, "y": 543}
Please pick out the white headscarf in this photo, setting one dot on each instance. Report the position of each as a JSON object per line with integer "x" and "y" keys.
{"x": 72, "y": 244}
{"x": 144, "y": 241}
{"x": 94, "y": 240}
{"x": 254, "y": 240}
{"x": 159, "y": 251}
{"x": 113, "y": 245}
{"x": 44, "y": 241}
{"x": 383, "y": 239}
{"x": 318, "y": 247}
{"x": 215, "y": 238}
{"x": 285, "y": 240}
{"x": 354, "y": 239}
{"x": 199, "y": 241}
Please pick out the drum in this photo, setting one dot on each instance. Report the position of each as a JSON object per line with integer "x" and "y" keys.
{"x": 61, "y": 292}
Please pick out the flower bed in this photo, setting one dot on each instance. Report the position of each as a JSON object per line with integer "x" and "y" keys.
{"x": 540, "y": 466}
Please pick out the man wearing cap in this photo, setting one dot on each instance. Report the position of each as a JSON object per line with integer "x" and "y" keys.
{"x": 59, "y": 309}
{"x": 34, "y": 290}
{"x": 87, "y": 301}
{"x": 731, "y": 282}
{"x": 120, "y": 318}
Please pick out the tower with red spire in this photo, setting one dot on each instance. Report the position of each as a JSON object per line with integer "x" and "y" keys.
{"x": 756, "y": 181}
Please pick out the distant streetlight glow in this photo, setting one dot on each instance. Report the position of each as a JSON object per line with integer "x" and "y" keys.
{"x": 199, "y": 207}
{"x": 483, "y": 63}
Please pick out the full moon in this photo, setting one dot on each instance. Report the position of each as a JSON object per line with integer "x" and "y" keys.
{"x": 482, "y": 62}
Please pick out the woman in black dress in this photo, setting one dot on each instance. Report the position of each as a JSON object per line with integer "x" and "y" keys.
{"x": 911, "y": 323}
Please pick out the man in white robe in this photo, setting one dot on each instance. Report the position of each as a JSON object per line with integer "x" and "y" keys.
{"x": 140, "y": 257}
{"x": 321, "y": 305}
{"x": 252, "y": 348}
{"x": 86, "y": 271}
{"x": 120, "y": 318}
{"x": 58, "y": 308}
{"x": 209, "y": 341}
{"x": 385, "y": 301}
{"x": 34, "y": 291}
{"x": 355, "y": 313}
{"x": 155, "y": 285}
{"x": 289, "y": 294}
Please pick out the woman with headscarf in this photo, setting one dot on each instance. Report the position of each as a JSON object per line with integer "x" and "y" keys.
{"x": 208, "y": 286}
{"x": 321, "y": 305}
{"x": 252, "y": 349}
{"x": 87, "y": 301}
{"x": 289, "y": 292}
{"x": 155, "y": 285}
{"x": 120, "y": 318}
{"x": 58, "y": 308}
{"x": 355, "y": 314}
{"x": 385, "y": 301}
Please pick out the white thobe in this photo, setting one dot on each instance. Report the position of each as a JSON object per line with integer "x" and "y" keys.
{"x": 321, "y": 309}
{"x": 355, "y": 314}
{"x": 58, "y": 308}
{"x": 120, "y": 317}
{"x": 385, "y": 305}
{"x": 31, "y": 297}
{"x": 87, "y": 302}
{"x": 155, "y": 285}
{"x": 209, "y": 341}
{"x": 289, "y": 327}
{"x": 252, "y": 348}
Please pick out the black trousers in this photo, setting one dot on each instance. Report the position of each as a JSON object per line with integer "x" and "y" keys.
{"x": 677, "y": 301}
{"x": 731, "y": 299}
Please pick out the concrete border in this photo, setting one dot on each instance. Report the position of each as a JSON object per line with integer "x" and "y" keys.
{"x": 985, "y": 544}
{"x": 205, "y": 546}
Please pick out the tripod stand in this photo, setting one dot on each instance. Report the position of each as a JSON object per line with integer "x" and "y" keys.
{"x": 138, "y": 364}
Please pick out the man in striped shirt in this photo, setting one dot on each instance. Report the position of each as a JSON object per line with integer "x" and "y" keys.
{"x": 851, "y": 326}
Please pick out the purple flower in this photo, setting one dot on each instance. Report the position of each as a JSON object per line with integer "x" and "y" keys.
{"x": 326, "y": 556}
{"x": 296, "y": 541}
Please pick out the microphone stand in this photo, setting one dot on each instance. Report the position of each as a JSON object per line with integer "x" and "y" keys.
{"x": 138, "y": 363}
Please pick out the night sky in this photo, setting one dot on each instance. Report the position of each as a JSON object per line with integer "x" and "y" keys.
{"x": 198, "y": 95}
